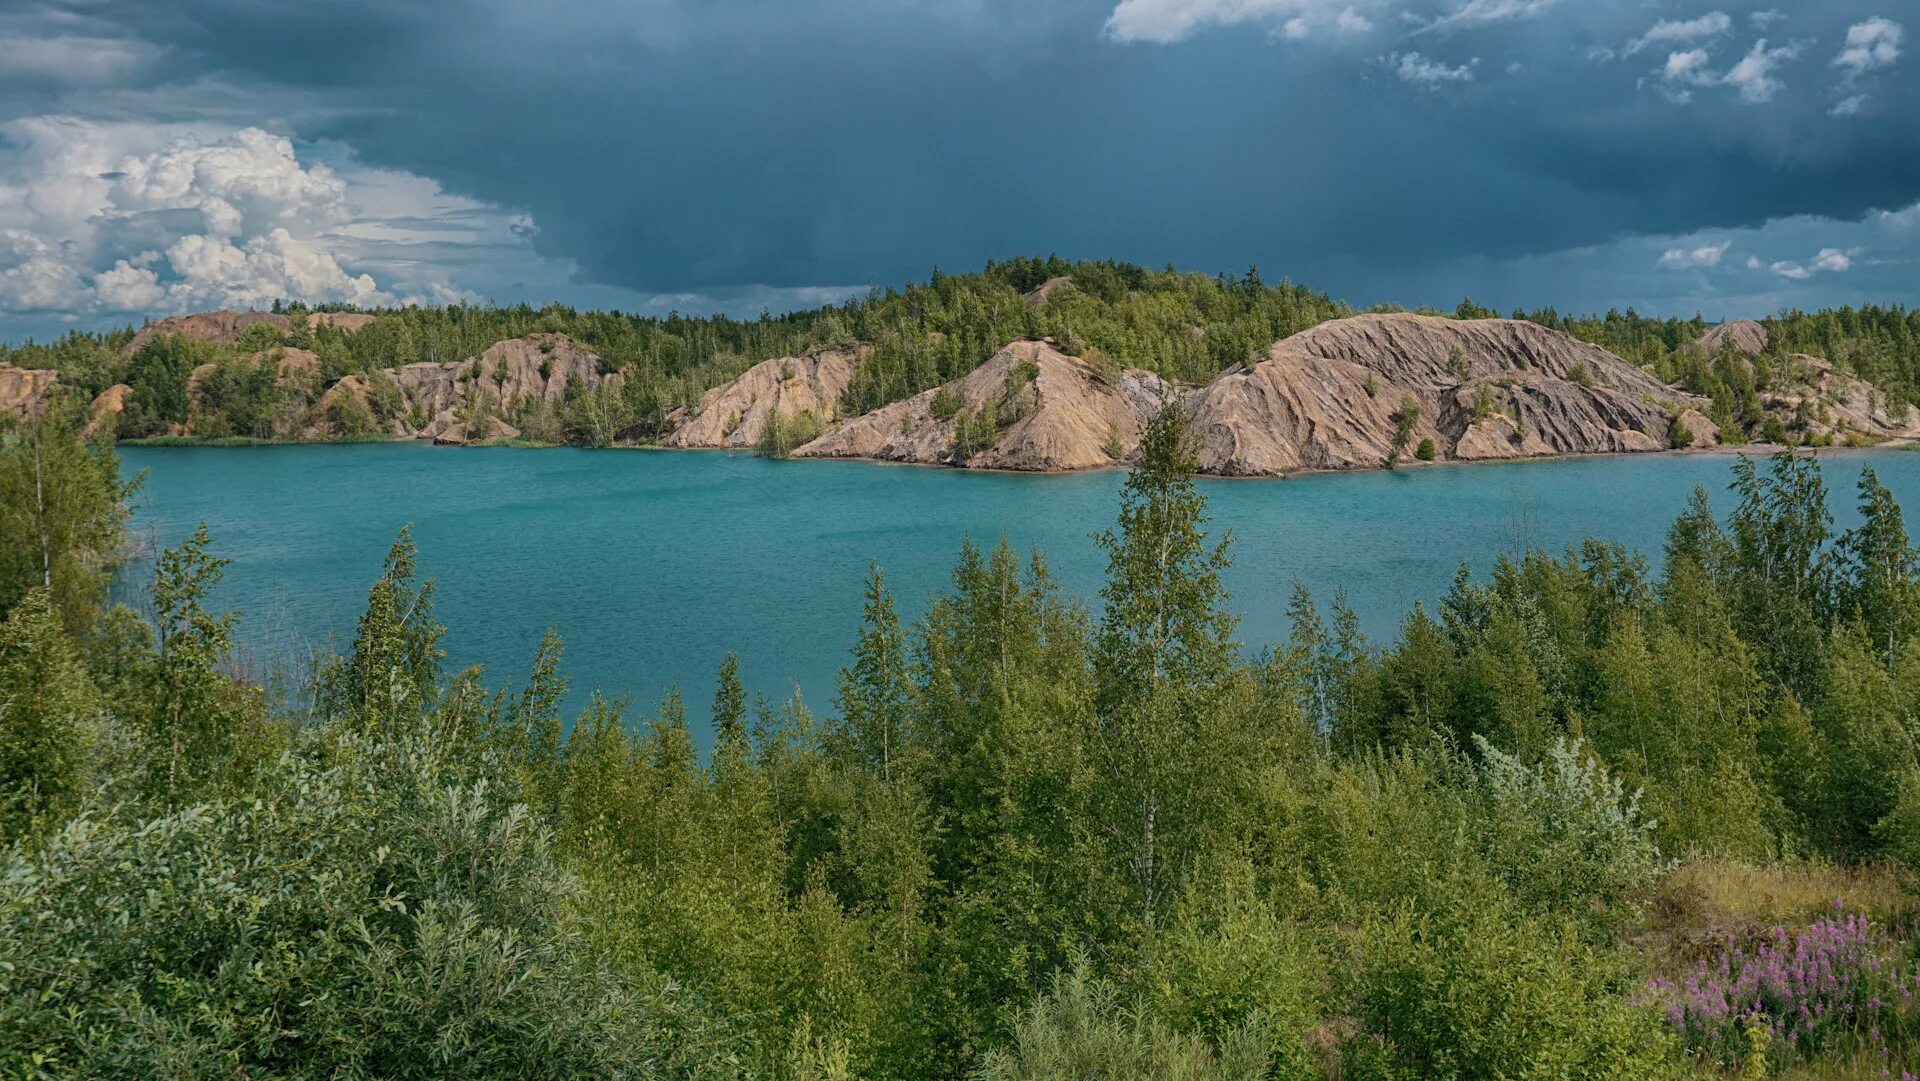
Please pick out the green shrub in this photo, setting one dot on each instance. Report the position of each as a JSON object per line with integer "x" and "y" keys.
{"x": 1081, "y": 1029}
{"x": 1680, "y": 437}
{"x": 1581, "y": 374}
{"x": 378, "y": 913}
{"x": 785, "y": 431}
{"x": 946, "y": 404}
{"x": 1481, "y": 992}
{"x": 1425, "y": 451}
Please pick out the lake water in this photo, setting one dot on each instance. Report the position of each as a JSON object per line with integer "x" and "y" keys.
{"x": 654, "y": 564}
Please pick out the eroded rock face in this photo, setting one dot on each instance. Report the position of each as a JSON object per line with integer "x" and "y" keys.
{"x": 345, "y": 322}
{"x": 24, "y": 391}
{"x": 1331, "y": 397}
{"x": 1747, "y": 337}
{"x": 1050, "y": 413}
{"x": 429, "y": 401}
{"x": 228, "y": 326}
{"x": 1826, "y": 402}
{"x": 1038, "y": 298}
{"x": 106, "y": 409}
{"x": 220, "y": 326}
{"x": 737, "y": 413}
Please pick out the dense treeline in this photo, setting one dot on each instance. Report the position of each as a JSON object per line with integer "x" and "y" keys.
{"x": 1879, "y": 344}
{"x": 1185, "y": 327}
{"x": 1034, "y": 837}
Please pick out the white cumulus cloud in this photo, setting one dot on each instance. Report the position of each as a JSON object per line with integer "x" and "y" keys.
{"x": 1829, "y": 260}
{"x": 1872, "y": 44}
{"x": 1163, "y": 22}
{"x": 1427, "y": 73}
{"x": 1485, "y": 12}
{"x": 1754, "y": 75}
{"x": 1705, "y": 255}
{"x": 147, "y": 219}
{"x": 1671, "y": 32}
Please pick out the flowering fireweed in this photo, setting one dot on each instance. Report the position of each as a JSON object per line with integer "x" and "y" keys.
{"x": 1833, "y": 987}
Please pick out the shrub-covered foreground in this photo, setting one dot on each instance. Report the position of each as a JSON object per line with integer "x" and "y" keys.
{"x": 1583, "y": 820}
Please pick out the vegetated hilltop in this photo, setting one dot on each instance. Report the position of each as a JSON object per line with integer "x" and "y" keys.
{"x": 1279, "y": 378}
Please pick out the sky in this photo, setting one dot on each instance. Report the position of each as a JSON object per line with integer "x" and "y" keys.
{"x": 738, "y": 155}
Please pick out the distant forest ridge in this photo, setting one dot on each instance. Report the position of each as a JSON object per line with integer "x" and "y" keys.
{"x": 1184, "y": 327}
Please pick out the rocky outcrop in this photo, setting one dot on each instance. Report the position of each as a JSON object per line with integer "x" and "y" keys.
{"x": 1038, "y": 297}
{"x": 1815, "y": 400}
{"x": 478, "y": 430}
{"x": 24, "y": 391}
{"x": 1747, "y": 338}
{"x": 106, "y": 409}
{"x": 1030, "y": 408}
{"x": 454, "y": 402}
{"x": 345, "y": 322}
{"x": 220, "y": 326}
{"x": 1334, "y": 396}
{"x": 737, "y": 413}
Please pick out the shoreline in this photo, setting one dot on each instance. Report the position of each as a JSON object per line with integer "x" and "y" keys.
{"x": 1755, "y": 449}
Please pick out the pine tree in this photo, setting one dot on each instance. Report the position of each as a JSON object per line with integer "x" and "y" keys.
{"x": 190, "y": 714}
{"x": 46, "y": 704}
{"x": 729, "y": 709}
{"x": 1879, "y": 573}
{"x": 393, "y": 673}
{"x": 534, "y": 724}
{"x": 1164, "y": 651}
{"x": 875, "y": 692}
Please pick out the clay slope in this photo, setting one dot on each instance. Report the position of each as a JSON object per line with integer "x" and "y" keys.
{"x": 1330, "y": 397}
{"x": 1030, "y": 408}
{"x": 737, "y": 413}
{"x": 23, "y": 391}
{"x": 1815, "y": 398}
{"x": 227, "y": 326}
{"x": 1747, "y": 338}
{"x": 464, "y": 401}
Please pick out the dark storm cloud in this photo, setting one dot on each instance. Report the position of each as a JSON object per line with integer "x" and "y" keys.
{"x": 669, "y": 146}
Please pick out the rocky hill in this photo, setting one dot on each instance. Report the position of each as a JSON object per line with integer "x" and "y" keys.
{"x": 1333, "y": 397}
{"x": 23, "y": 391}
{"x": 228, "y": 326}
{"x": 1747, "y": 338}
{"x": 1030, "y": 408}
{"x": 1808, "y": 396}
{"x": 738, "y": 413}
{"x": 466, "y": 401}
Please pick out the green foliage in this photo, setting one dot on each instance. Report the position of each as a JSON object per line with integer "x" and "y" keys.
{"x": 48, "y": 712}
{"x": 1081, "y": 1029}
{"x": 62, "y": 516}
{"x": 785, "y": 431}
{"x": 1478, "y": 992}
{"x": 1425, "y": 451}
{"x": 1034, "y": 840}
{"x": 1405, "y": 419}
{"x": 946, "y": 404}
{"x": 394, "y": 669}
{"x": 158, "y": 374}
{"x": 1679, "y": 436}
{"x": 379, "y": 914}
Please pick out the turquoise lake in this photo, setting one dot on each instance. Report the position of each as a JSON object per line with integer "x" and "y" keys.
{"x": 654, "y": 564}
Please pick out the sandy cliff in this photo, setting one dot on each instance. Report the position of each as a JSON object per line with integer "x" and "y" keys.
{"x": 1332, "y": 397}
{"x": 737, "y": 413}
{"x": 1030, "y": 407}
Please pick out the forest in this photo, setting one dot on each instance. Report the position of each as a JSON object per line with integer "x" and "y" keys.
{"x": 1186, "y": 327}
{"x": 1585, "y": 817}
